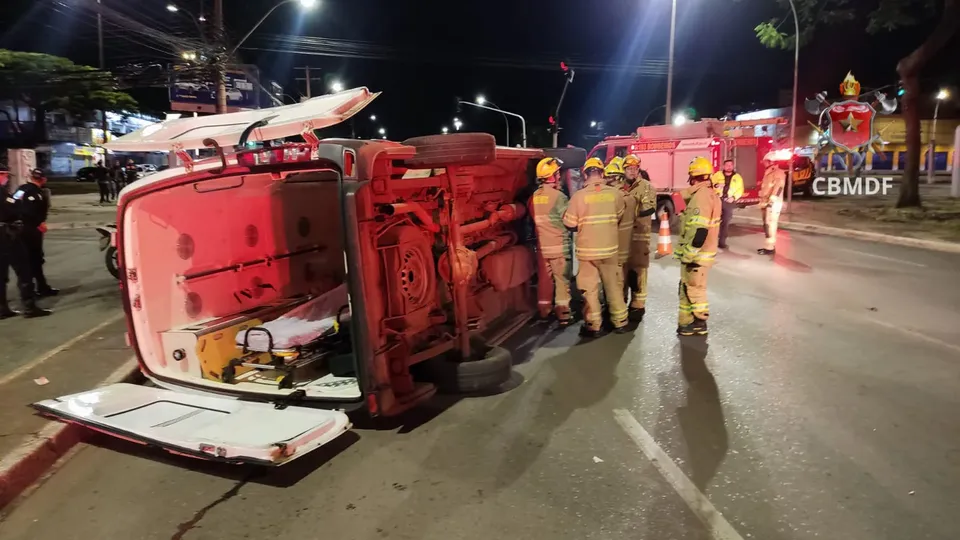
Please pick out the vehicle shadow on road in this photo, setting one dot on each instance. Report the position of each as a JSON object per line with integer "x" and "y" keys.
{"x": 483, "y": 455}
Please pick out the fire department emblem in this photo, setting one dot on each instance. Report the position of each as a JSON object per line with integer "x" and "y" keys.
{"x": 851, "y": 124}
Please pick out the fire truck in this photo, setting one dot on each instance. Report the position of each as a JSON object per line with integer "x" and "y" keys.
{"x": 666, "y": 151}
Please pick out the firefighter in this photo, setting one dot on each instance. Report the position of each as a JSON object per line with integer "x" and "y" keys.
{"x": 33, "y": 204}
{"x": 594, "y": 214}
{"x": 613, "y": 172}
{"x": 729, "y": 186}
{"x": 644, "y": 200}
{"x": 13, "y": 255}
{"x": 771, "y": 202}
{"x": 697, "y": 249}
{"x": 547, "y": 206}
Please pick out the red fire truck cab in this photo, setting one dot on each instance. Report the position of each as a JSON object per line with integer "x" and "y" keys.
{"x": 666, "y": 151}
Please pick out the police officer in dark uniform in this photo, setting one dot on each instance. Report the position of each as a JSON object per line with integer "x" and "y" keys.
{"x": 34, "y": 203}
{"x": 13, "y": 254}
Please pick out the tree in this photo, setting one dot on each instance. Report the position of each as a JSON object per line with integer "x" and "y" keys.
{"x": 882, "y": 16}
{"x": 44, "y": 83}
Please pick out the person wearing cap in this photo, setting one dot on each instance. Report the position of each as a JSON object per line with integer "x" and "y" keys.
{"x": 729, "y": 186}
{"x": 644, "y": 198}
{"x": 771, "y": 202}
{"x": 13, "y": 255}
{"x": 697, "y": 248}
{"x": 33, "y": 204}
{"x": 594, "y": 214}
{"x": 547, "y": 206}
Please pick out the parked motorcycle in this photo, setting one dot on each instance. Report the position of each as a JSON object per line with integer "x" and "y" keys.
{"x": 108, "y": 244}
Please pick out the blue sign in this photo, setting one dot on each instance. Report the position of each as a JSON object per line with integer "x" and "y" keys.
{"x": 201, "y": 96}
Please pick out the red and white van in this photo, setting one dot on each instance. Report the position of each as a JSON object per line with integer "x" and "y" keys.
{"x": 269, "y": 291}
{"x": 666, "y": 151}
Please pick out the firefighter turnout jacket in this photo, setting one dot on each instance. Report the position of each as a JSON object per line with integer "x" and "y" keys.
{"x": 595, "y": 213}
{"x": 774, "y": 182}
{"x": 547, "y": 206}
{"x": 700, "y": 225}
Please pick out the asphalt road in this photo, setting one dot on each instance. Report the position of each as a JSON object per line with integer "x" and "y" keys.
{"x": 822, "y": 405}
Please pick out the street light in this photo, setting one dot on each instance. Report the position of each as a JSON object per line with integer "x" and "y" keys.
{"x": 304, "y": 4}
{"x": 942, "y": 95}
{"x": 457, "y": 124}
{"x": 373, "y": 118}
{"x": 679, "y": 119}
{"x": 444, "y": 130}
{"x": 482, "y": 101}
{"x": 382, "y": 131}
{"x": 172, "y": 8}
{"x": 336, "y": 86}
{"x": 593, "y": 123}
{"x": 523, "y": 121}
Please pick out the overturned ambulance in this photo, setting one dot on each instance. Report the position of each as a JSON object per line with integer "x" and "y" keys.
{"x": 270, "y": 291}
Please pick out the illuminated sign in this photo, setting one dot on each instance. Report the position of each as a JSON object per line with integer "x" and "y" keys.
{"x": 653, "y": 146}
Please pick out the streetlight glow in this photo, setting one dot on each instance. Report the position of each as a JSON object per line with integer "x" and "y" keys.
{"x": 308, "y": 4}
{"x": 457, "y": 124}
{"x": 202, "y": 18}
{"x": 382, "y": 131}
{"x": 943, "y": 94}
{"x": 373, "y": 118}
{"x": 679, "y": 120}
{"x": 336, "y": 86}
{"x": 593, "y": 123}
{"x": 172, "y": 8}
{"x": 444, "y": 130}
{"x": 481, "y": 100}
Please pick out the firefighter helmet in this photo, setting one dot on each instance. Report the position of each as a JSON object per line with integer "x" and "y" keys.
{"x": 548, "y": 167}
{"x": 700, "y": 166}
{"x": 593, "y": 163}
{"x": 614, "y": 168}
{"x": 631, "y": 161}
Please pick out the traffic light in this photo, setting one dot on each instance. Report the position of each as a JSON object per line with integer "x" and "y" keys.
{"x": 552, "y": 121}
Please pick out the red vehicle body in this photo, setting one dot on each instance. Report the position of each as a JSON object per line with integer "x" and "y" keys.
{"x": 429, "y": 237}
{"x": 666, "y": 151}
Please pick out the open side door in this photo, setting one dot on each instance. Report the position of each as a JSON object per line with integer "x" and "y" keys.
{"x": 199, "y": 426}
{"x": 259, "y": 125}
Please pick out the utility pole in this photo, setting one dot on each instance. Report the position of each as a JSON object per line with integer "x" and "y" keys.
{"x": 673, "y": 31}
{"x": 221, "y": 40}
{"x": 103, "y": 66}
{"x": 308, "y": 79}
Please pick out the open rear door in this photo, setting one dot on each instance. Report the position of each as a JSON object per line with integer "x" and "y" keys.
{"x": 250, "y": 126}
{"x": 200, "y": 426}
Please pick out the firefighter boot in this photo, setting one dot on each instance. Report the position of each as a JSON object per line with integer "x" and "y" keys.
{"x": 588, "y": 333}
{"x": 563, "y": 315}
{"x": 765, "y": 251}
{"x": 636, "y": 314}
{"x": 31, "y": 310}
{"x": 697, "y": 328}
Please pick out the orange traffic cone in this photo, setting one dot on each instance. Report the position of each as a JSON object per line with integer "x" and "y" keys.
{"x": 664, "y": 242}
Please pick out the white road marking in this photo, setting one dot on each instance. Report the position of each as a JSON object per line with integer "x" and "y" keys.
{"x": 716, "y": 524}
{"x": 892, "y": 259}
{"x": 57, "y": 350}
{"x": 915, "y": 334}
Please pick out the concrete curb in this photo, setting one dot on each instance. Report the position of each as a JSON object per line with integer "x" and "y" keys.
{"x": 20, "y": 468}
{"x": 74, "y": 225}
{"x": 934, "y": 245}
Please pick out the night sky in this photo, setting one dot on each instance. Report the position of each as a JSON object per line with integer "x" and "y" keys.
{"x": 422, "y": 54}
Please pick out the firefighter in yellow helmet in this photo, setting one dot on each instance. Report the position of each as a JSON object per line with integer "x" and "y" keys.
{"x": 643, "y": 198}
{"x": 613, "y": 172}
{"x": 771, "y": 201}
{"x": 547, "y": 206}
{"x": 697, "y": 249}
{"x": 594, "y": 214}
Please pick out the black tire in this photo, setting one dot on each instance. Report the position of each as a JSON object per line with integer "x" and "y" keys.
{"x": 454, "y": 377}
{"x": 113, "y": 265}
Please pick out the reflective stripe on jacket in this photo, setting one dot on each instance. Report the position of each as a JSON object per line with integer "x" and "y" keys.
{"x": 702, "y": 212}
{"x": 774, "y": 181}
{"x": 595, "y": 213}
{"x": 547, "y": 206}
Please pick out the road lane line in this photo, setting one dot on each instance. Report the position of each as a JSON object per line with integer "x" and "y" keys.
{"x": 57, "y": 350}
{"x": 892, "y": 259}
{"x": 716, "y": 524}
{"x": 914, "y": 333}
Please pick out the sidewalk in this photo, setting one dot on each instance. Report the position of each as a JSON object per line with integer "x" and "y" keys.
{"x": 935, "y": 226}
{"x": 79, "y": 211}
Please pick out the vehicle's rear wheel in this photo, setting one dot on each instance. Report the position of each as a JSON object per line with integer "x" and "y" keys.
{"x": 453, "y": 377}
{"x": 113, "y": 265}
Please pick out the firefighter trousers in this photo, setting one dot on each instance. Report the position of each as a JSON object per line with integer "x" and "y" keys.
{"x": 693, "y": 294}
{"x": 771, "y": 217}
{"x": 553, "y": 287}
{"x": 608, "y": 274}
{"x": 636, "y": 269}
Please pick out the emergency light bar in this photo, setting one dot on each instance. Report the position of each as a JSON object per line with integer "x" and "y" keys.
{"x": 289, "y": 153}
